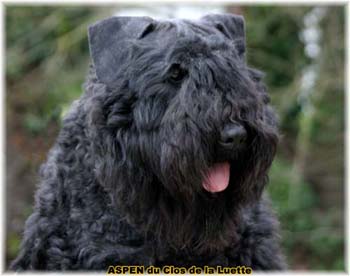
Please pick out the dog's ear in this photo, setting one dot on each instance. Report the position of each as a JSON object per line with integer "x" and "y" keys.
{"x": 232, "y": 26}
{"x": 110, "y": 41}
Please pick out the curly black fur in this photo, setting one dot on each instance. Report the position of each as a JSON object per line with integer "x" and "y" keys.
{"x": 123, "y": 183}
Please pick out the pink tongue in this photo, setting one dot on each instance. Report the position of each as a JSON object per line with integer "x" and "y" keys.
{"x": 217, "y": 178}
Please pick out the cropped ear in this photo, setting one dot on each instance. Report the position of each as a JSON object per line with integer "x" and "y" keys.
{"x": 110, "y": 41}
{"x": 232, "y": 26}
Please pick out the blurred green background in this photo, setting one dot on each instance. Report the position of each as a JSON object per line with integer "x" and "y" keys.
{"x": 301, "y": 49}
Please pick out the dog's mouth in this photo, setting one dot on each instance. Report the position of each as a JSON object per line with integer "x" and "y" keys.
{"x": 217, "y": 178}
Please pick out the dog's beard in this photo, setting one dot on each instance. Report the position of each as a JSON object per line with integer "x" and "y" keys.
{"x": 200, "y": 227}
{"x": 187, "y": 215}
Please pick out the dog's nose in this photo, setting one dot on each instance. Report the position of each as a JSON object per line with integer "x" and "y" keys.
{"x": 233, "y": 135}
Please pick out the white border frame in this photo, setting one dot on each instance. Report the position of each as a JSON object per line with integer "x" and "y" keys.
{"x": 4, "y": 3}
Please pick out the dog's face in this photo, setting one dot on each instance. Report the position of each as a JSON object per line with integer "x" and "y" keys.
{"x": 184, "y": 135}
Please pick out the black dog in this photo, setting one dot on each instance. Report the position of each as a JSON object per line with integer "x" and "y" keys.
{"x": 164, "y": 159}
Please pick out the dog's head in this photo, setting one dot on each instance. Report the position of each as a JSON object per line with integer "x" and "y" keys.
{"x": 182, "y": 131}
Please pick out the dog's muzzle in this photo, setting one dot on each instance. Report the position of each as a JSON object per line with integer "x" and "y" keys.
{"x": 233, "y": 138}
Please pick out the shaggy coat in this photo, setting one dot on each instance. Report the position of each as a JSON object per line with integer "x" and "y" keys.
{"x": 123, "y": 183}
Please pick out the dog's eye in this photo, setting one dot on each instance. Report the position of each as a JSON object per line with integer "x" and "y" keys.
{"x": 177, "y": 73}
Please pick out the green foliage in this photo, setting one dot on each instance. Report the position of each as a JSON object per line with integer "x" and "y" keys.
{"x": 13, "y": 242}
{"x": 307, "y": 178}
{"x": 49, "y": 32}
{"x": 306, "y": 232}
{"x": 273, "y": 38}
{"x": 46, "y": 45}
{"x": 34, "y": 124}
